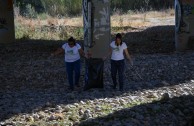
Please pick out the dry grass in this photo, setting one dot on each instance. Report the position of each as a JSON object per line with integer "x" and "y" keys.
{"x": 137, "y": 19}
{"x": 121, "y": 22}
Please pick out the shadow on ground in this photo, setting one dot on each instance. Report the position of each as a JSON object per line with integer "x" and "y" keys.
{"x": 27, "y": 69}
{"x": 151, "y": 114}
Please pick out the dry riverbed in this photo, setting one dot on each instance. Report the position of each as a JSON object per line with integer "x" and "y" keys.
{"x": 159, "y": 90}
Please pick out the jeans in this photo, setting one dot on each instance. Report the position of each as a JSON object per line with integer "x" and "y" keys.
{"x": 117, "y": 67}
{"x": 72, "y": 67}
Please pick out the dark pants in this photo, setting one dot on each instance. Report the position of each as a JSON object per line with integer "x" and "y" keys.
{"x": 72, "y": 67}
{"x": 117, "y": 67}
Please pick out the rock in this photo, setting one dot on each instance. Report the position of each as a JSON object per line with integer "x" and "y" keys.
{"x": 56, "y": 124}
{"x": 2, "y": 123}
{"x": 70, "y": 124}
{"x": 33, "y": 125}
{"x": 122, "y": 101}
{"x": 87, "y": 114}
{"x": 76, "y": 123}
{"x": 30, "y": 119}
{"x": 98, "y": 109}
{"x": 51, "y": 118}
{"x": 74, "y": 118}
{"x": 81, "y": 112}
{"x": 66, "y": 109}
{"x": 165, "y": 96}
{"x": 83, "y": 103}
{"x": 41, "y": 115}
{"x": 87, "y": 111}
{"x": 42, "y": 88}
{"x": 58, "y": 107}
{"x": 36, "y": 117}
{"x": 152, "y": 95}
{"x": 76, "y": 104}
{"x": 55, "y": 117}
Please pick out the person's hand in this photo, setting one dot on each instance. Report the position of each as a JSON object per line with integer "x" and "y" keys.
{"x": 88, "y": 55}
{"x": 85, "y": 56}
{"x": 104, "y": 58}
{"x": 130, "y": 62}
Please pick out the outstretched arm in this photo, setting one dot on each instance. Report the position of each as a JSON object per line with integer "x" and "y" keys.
{"x": 57, "y": 52}
{"x": 81, "y": 52}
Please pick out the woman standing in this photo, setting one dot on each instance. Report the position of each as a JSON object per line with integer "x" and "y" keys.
{"x": 117, "y": 50}
{"x": 72, "y": 59}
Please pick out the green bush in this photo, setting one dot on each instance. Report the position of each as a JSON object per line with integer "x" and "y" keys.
{"x": 42, "y": 16}
{"x": 62, "y": 8}
{"x": 30, "y": 11}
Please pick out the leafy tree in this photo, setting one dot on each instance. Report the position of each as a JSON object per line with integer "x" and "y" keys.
{"x": 74, "y": 7}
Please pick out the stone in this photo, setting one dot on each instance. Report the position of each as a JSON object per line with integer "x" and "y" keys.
{"x": 165, "y": 96}
{"x": 41, "y": 93}
{"x": 30, "y": 119}
{"x": 152, "y": 95}
{"x": 36, "y": 117}
{"x": 98, "y": 109}
{"x": 81, "y": 112}
{"x": 74, "y": 118}
{"x": 87, "y": 114}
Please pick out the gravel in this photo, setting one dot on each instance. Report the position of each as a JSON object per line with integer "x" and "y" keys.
{"x": 34, "y": 90}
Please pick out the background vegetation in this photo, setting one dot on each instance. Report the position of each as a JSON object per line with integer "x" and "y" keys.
{"x": 60, "y": 19}
{"x": 74, "y": 7}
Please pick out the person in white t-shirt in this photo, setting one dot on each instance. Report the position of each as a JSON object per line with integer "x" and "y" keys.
{"x": 72, "y": 52}
{"x": 117, "y": 50}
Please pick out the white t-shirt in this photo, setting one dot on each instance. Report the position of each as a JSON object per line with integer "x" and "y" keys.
{"x": 118, "y": 51}
{"x": 71, "y": 53}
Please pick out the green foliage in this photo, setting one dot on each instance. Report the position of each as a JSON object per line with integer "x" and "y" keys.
{"x": 74, "y": 7}
{"x": 42, "y": 16}
{"x": 62, "y": 7}
{"x": 30, "y": 11}
{"x": 21, "y": 32}
{"x": 47, "y": 33}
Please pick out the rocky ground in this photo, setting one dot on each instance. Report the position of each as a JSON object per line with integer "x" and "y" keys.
{"x": 159, "y": 90}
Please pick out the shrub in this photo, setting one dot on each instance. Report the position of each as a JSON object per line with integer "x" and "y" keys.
{"x": 30, "y": 11}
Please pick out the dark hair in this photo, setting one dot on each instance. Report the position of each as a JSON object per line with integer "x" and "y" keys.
{"x": 118, "y": 36}
{"x": 71, "y": 39}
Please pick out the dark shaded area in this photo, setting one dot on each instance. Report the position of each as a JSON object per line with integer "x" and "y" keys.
{"x": 26, "y": 67}
{"x": 36, "y": 4}
{"x": 94, "y": 74}
{"x": 153, "y": 114}
{"x": 191, "y": 43}
{"x": 158, "y": 39}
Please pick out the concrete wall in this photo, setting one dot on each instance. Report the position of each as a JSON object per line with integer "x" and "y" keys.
{"x": 96, "y": 27}
{"x": 7, "y": 33}
{"x": 184, "y": 23}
